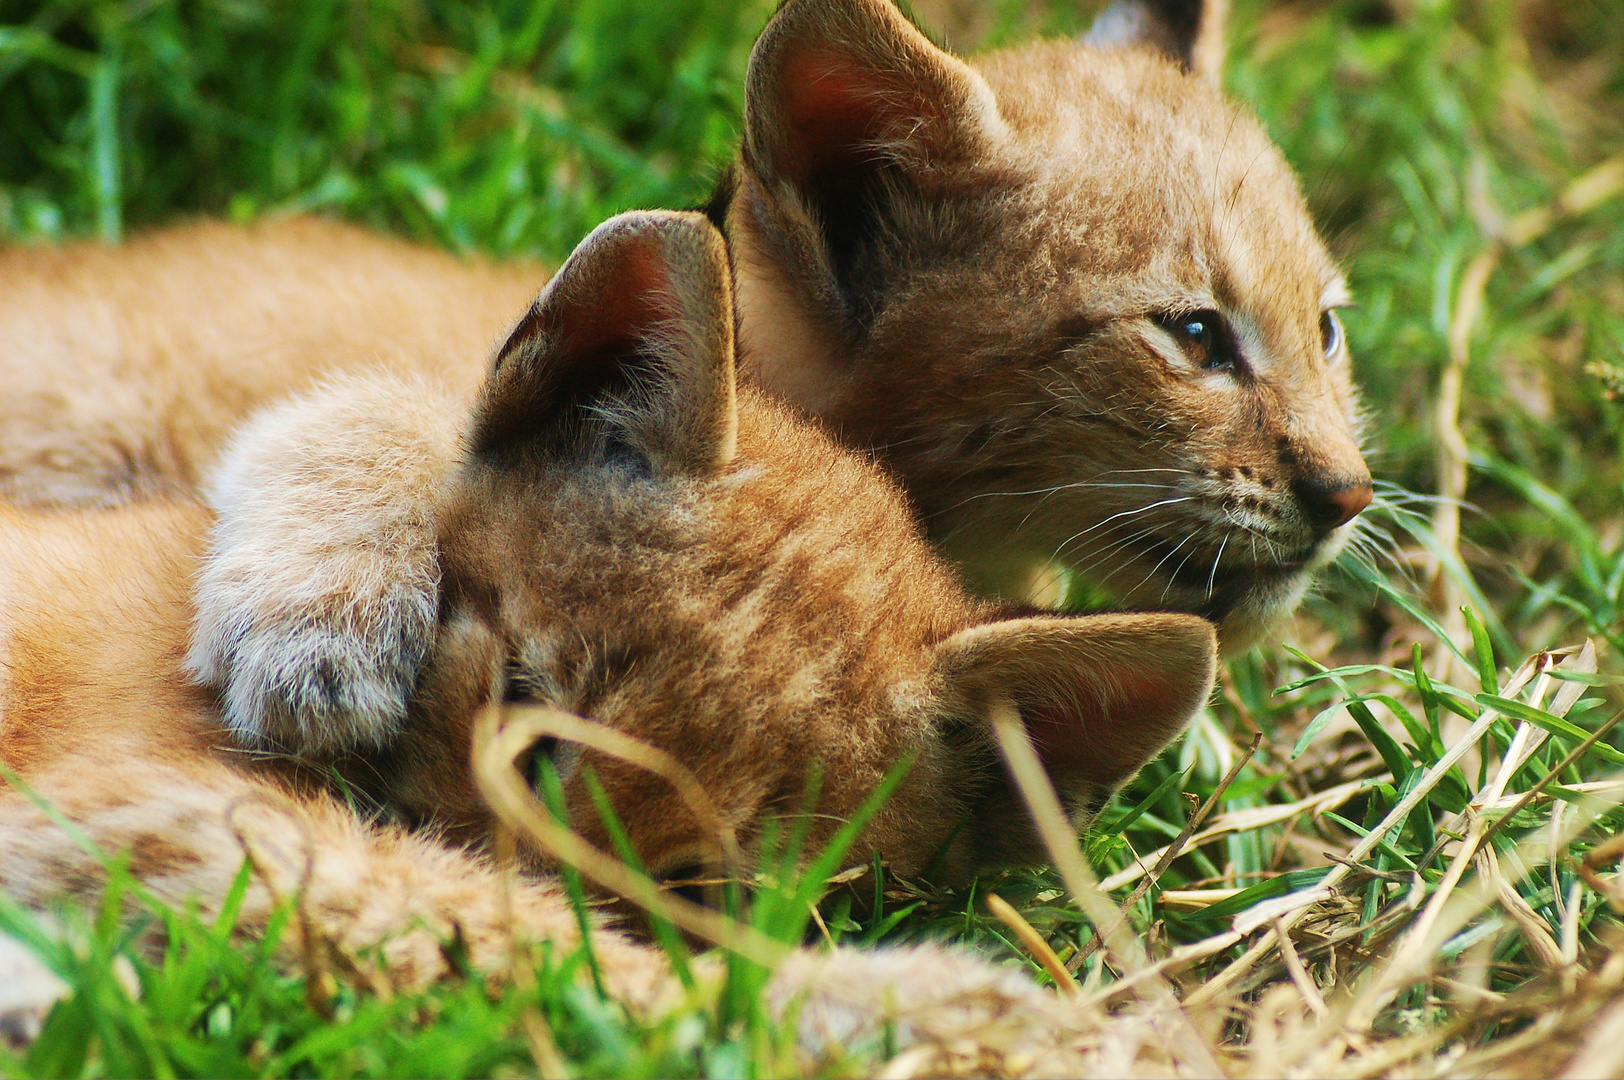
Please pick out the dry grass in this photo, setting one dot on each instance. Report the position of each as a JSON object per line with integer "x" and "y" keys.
{"x": 1316, "y": 982}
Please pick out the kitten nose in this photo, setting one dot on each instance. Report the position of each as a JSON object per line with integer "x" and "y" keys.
{"x": 1331, "y": 503}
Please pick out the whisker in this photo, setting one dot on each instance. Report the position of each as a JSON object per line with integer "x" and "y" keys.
{"x": 1047, "y": 491}
{"x": 1039, "y": 504}
{"x": 1125, "y": 513}
{"x": 1062, "y": 552}
{"x": 1108, "y": 552}
{"x": 1177, "y": 570}
{"x": 1213, "y": 577}
{"x": 1159, "y": 565}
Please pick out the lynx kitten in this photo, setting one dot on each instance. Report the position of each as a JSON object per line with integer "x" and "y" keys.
{"x": 625, "y": 535}
{"x": 1067, "y": 291}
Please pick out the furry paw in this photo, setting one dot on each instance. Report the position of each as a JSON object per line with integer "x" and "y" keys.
{"x": 320, "y": 595}
{"x": 28, "y": 989}
{"x": 916, "y": 995}
{"x": 312, "y": 674}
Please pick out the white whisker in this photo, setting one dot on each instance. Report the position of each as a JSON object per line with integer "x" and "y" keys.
{"x": 1125, "y": 513}
{"x": 1159, "y": 565}
{"x": 1213, "y": 577}
{"x": 1177, "y": 570}
{"x": 1102, "y": 555}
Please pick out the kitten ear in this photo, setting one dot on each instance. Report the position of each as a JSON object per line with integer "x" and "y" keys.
{"x": 629, "y": 349}
{"x": 844, "y": 101}
{"x": 1100, "y": 695}
{"x": 1189, "y": 31}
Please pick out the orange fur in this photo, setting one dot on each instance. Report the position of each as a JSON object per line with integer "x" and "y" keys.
{"x": 624, "y": 535}
{"x": 125, "y": 367}
{"x": 967, "y": 266}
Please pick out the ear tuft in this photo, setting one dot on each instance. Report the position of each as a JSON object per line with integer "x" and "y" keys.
{"x": 1191, "y": 32}
{"x": 628, "y": 349}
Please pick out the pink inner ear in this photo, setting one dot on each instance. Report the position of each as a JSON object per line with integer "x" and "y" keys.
{"x": 835, "y": 109}
{"x": 829, "y": 96}
{"x": 841, "y": 107}
{"x": 633, "y": 298}
{"x": 1101, "y": 733}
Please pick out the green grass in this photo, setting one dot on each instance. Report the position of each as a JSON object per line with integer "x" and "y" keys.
{"x": 160, "y": 992}
{"x": 512, "y": 128}
{"x": 207, "y": 1007}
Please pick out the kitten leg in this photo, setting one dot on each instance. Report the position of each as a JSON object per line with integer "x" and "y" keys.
{"x": 319, "y": 598}
{"x": 374, "y": 895}
{"x": 377, "y": 895}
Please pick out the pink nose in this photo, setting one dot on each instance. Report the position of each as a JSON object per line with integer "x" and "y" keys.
{"x": 1332, "y": 503}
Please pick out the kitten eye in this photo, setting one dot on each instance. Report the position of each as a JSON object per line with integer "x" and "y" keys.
{"x": 685, "y": 881}
{"x": 1203, "y": 336}
{"x": 1330, "y": 333}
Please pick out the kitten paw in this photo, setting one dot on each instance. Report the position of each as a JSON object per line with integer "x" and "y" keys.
{"x": 920, "y": 995}
{"x": 28, "y": 989}
{"x": 299, "y": 680}
{"x": 320, "y": 595}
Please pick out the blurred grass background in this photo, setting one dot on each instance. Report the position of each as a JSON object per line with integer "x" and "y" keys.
{"x": 1419, "y": 127}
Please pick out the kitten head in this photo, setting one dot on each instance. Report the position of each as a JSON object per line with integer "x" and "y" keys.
{"x": 634, "y": 539}
{"x": 1068, "y": 290}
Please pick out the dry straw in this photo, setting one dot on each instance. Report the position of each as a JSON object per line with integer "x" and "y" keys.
{"x": 1286, "y": 1005}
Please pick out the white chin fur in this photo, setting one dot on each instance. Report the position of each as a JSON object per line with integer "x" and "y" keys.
{"x": 1262, "y": 609}
{"x": 1265, "y": 607}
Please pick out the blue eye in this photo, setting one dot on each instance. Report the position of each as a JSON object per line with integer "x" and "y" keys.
{"x": 1330, "y": 333}
{"x": 1204, "y": 337}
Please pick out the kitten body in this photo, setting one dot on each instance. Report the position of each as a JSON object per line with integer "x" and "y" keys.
{"x": 1067, "y": 291}
{"x": 126, "y": 367}
{"x": 624, "y": 535}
